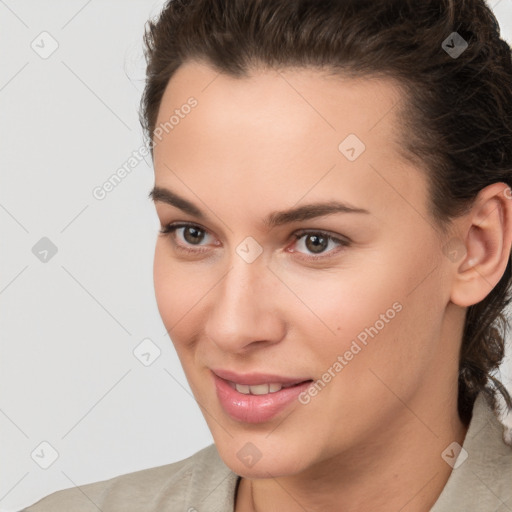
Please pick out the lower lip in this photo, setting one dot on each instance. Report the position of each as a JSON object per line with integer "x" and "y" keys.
{"x": 255, "y": 408}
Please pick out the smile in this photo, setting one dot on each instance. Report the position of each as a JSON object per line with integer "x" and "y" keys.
{"x": 259, "y": 389}
{"x": 256, "y": 398}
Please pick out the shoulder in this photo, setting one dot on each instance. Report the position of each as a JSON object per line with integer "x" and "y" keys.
{"x": 180, "y": 484}
{"x": 483, "y": 470}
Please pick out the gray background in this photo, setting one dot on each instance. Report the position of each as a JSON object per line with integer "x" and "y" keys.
{"x": 69, "y": 325}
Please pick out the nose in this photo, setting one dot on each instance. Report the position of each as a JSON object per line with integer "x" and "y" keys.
{"x": 246, "y": 310}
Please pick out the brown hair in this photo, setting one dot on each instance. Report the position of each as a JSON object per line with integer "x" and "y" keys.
{"x": 456, "y": 114}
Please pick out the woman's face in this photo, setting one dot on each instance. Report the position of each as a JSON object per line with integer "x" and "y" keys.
{"x": 277, "y": 283}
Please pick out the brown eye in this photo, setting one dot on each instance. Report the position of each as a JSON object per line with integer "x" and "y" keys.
{"x": 193, "y": 235}
{"x": 316, "y": 244}
{"x": 188, "y": 237}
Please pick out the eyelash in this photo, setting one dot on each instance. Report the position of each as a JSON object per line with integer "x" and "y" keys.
{"x": 169, "y": 230}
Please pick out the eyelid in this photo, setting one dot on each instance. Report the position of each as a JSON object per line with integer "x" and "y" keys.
{"x": 332, "y": 236}
{"x": 170, "y": 228}
{"x": 343, "y": 242}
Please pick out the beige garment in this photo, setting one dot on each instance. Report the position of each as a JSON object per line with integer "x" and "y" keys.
{"x": 203, "y": 483}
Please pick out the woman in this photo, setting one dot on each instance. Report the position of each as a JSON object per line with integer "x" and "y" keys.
{"x": 332, "y": 181}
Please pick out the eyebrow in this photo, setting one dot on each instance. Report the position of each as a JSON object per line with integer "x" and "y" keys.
{"x": 299, "y": 213}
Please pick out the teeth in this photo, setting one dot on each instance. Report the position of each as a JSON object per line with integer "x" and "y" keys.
{"x": 260, "y": 389}
{"x": 242, "y": 388}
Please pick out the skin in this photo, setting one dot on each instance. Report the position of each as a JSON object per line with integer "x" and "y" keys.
{"x": 372, "y": 439}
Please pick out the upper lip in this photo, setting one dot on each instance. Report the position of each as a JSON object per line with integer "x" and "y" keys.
{"x": 253, "y": 379}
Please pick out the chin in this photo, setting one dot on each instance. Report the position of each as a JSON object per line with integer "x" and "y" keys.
{"x": 249, "y": 461}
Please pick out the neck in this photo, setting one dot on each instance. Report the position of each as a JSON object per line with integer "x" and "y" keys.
{"x": 400, "y": 468}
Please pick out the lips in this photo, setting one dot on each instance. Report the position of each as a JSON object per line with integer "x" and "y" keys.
{"x": 256, "y": 398}
{"x": 255, "y": 379}
{"x": 259, "y": 389}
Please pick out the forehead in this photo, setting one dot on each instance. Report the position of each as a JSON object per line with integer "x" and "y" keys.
{"x": 284, "y": 131}
{"x": 333, "y": 100}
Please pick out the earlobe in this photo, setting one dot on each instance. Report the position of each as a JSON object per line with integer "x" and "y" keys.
{"x": 487, "y": 239}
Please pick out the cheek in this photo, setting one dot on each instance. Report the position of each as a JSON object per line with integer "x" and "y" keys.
{"x": 339, "y": 305}
{"x": 164, "y": 280}
{"x": 183, "y": 292}
{"x": 178, "y": 290}
{"x": 367, "y": 310}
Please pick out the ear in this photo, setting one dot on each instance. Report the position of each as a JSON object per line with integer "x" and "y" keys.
{"x": 486, "y": 237}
